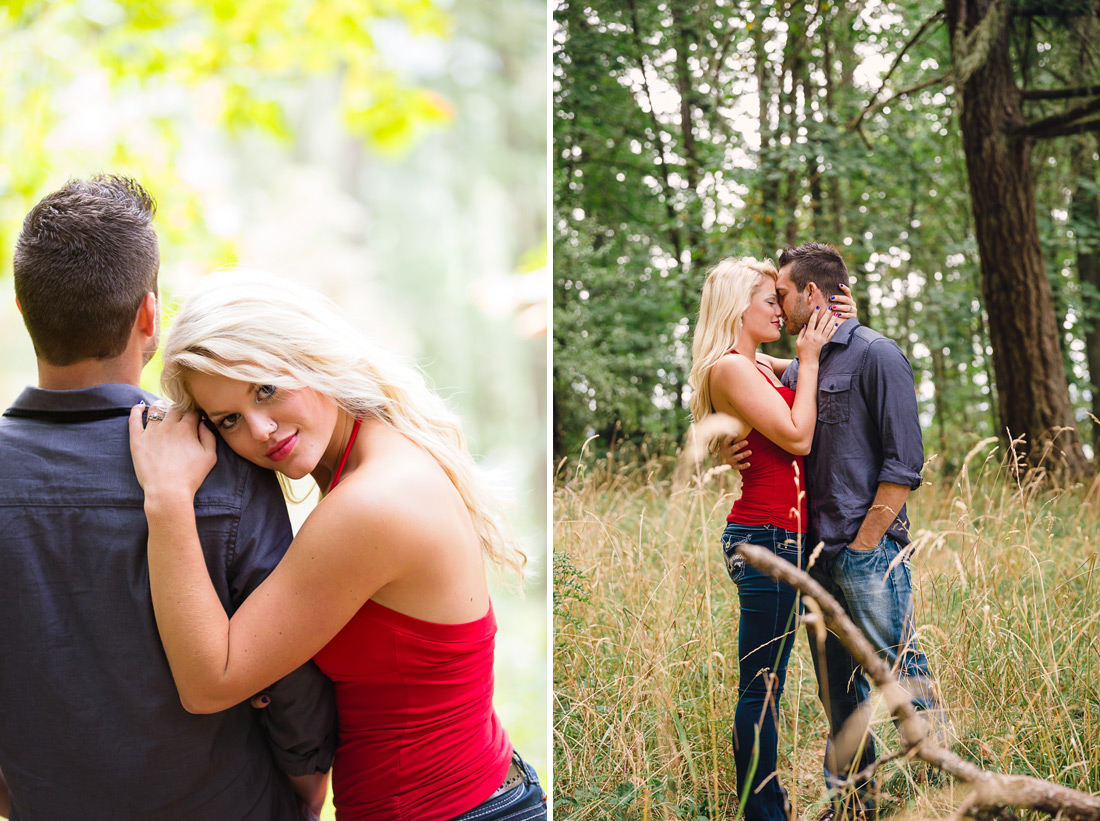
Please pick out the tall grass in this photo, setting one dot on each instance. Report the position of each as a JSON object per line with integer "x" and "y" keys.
{"x": 645, "y": 641}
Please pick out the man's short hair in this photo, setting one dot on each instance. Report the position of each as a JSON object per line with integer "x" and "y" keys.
{"x": 818, "y": 263}
{"x": 85, "y": 259}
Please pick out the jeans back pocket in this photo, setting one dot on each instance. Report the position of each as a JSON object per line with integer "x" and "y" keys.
{"x": 735, "y": 562}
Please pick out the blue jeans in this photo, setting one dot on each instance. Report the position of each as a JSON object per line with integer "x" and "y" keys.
{"x": 526, "y": 802}
{"x": 875, "y": 589}
{"x": 765, "y": 635}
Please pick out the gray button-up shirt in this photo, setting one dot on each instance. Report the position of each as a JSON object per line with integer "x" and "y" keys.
{"x": 867, "y": 432}
{"x": 91, "y": 724}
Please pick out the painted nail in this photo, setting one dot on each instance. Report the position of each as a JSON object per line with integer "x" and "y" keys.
{"x": 832, "y": 298}
{"x": 265, "y": 700}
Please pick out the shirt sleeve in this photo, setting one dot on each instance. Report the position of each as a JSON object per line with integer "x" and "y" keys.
{"x": 892, "y": 399}
{"x": 300, "y": 722}
{"x": 789, "y": 379}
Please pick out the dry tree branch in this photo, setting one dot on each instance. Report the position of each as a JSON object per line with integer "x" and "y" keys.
{"x": 991, "y": 791}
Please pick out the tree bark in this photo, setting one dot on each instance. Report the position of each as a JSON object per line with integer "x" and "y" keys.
{"x": 1032, "y": 391}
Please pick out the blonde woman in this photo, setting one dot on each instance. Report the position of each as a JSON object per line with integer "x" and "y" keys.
{"x": 739, "y": 309}
{"x": 384, "y": 585}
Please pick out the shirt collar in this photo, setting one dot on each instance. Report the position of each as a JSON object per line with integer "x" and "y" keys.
{"x": 110, "y": 396}
{"x": 844, "y": 333}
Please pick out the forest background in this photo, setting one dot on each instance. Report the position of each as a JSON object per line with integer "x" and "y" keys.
{"x": 688, "y": 132}
{"x": 949, "y": 149}
{"x": 391, "y": 154}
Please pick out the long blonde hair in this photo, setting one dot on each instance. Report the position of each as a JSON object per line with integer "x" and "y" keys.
{"x": 726, "y": 294}
{"x": 262, "y": 329}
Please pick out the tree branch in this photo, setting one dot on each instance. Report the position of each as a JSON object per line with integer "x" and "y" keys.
{"x": 1068, "y": 122}
{"x": 1058, "y": 93}
{"x": 991, "y": 791}
{"x": 937, "y": 16}
{"x": 871, "y": 109}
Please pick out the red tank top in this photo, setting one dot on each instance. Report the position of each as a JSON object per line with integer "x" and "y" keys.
{"x": 772, "y": 484}
{"x": 419, "y": 738}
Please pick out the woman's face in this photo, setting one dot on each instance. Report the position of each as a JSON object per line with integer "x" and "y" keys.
{"x": 762, "y": 319}
{"x": 291, "y": 431}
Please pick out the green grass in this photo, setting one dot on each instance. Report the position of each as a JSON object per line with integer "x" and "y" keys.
{"x": 645, "y": 656}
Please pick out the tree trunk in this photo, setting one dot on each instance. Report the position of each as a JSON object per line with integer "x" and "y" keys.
{"x": 1032, "y": 392}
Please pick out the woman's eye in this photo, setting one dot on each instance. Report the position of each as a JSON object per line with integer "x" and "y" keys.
{"x": 265, "y": 392}
{"x": 227, "y": 422}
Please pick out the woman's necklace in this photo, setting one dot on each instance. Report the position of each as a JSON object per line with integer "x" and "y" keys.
{"x": 344, "y": 458}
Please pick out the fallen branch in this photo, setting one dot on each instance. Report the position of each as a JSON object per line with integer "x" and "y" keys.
{"x": 991, "y": 791}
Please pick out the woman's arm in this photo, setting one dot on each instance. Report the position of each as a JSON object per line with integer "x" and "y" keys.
{"x": 792, "y": 428}
{"x": 326, "y": 576}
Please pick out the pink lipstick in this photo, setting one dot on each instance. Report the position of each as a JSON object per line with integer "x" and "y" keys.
{"x": 282, "y": 449}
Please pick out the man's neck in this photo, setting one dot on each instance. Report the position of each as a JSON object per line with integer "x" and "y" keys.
{"x": 88, "y": 373}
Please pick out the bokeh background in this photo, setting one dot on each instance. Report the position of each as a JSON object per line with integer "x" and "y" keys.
{"x": 391, "y": 154}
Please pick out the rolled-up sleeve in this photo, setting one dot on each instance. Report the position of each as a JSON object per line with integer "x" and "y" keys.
{"x": 301, "y": 719}
{"x": 888, "y": 383}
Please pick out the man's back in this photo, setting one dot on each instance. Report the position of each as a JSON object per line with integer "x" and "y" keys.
{"x": 90, "y": 720}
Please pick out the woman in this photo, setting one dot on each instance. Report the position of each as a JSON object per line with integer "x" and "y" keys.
{"x": 384, "y": 585}
{"x": 738, "y": 311}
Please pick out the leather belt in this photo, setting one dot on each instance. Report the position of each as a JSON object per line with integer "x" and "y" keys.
{"x": 512, "y": 779}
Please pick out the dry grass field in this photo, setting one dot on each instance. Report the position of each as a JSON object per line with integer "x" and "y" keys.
{"x": 645, "y": 629}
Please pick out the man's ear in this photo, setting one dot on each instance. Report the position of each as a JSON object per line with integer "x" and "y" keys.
{"x": 812, "y": 291}
{"x": 147, "y": 314}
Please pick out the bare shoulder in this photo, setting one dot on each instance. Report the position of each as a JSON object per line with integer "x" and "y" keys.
{"x": 732, "y": 366}
{"x": 398, "y": 500}
{"x": 729, "y": 371}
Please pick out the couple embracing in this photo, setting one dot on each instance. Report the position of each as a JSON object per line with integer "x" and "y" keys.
{"x": 833, "y": 450}
{"x": 151, "y": 589}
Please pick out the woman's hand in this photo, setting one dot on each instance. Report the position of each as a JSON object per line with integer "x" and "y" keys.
{"x": 173, "y": 452}
{"x": 814, "y": 335}
{"x": 843, "y": 307}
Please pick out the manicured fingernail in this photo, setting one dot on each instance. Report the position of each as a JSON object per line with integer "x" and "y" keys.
{"x": 141, "y": 404}
{"x": 817, "y": 307}
{"x": 832, "y": 298}
{"x": 264, "y": 700}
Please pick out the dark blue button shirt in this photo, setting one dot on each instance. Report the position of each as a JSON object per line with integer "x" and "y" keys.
{"x": 91, "y": 724}
{"x": 867, "y": 432}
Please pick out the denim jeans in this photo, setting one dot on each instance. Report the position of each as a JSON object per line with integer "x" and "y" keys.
{"x": 875, "y": 589}
{"x": 527, "y": 802}
{"x": 765, "y": 635}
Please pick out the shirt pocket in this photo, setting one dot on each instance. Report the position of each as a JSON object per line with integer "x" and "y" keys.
{"x": 834, "y": 398}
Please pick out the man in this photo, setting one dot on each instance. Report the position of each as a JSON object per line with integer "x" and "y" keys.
{"x": 866, "y": 457}
{"x": 91, "y": 724}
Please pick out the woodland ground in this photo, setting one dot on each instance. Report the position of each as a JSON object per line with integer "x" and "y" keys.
{"x": 645, "y": 626}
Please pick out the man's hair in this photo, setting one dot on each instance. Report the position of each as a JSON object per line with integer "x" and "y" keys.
{"x": 818, "y": 263}
{"x": 85, "y": 259}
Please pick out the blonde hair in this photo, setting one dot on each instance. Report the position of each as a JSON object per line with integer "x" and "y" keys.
{"x": 262, "y": 329}
{"x": 726, "y": 294}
